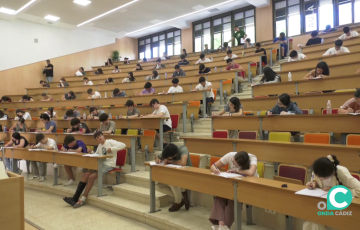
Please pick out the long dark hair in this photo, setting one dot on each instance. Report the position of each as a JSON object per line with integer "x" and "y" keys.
{"x": 326, "y": 166}
{"x": 285, "y": 99}
{"x": 110, "y": 62}
{"x": 324, "y": 66}
{"x": 243, "y": 160}
{"x": 155, "y": 74}
{"x": 16, "y": 135}
{"x": 139, "y": 66}
{"x": 201, "y": 67}
{"x": 100, "y": 71}
{"x": 51, "y": 109}
{"x": 236, "y": 102}
{"x": 131, "y": 76}
{"x": 269, "y": 75}
{"x": 184, "y": 50}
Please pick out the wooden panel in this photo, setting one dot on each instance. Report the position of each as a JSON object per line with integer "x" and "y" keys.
{"x": 209, "y": 146}
{"x": 264, "y": 23}
{"x": 76, "y": 160}
{"x": 272, "y": 89}
{"x": 353, "y": 48}
{"x": 250, "y": 123}
{"x": 41, "y": 156}
{"x": 324, "y": 47}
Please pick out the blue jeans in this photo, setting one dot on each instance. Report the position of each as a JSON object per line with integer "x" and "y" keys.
{"x": 8, "y": 164}
{"x": 49, "y": 79}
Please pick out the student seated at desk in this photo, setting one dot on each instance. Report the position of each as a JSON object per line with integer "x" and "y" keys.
{"x": 184, "y": 52}
{"x": 183, "y": 61}
{"x": 118, "y": 93}
{"x": 95, "y": 113}
{"x": 72, "y": 145}
{"x": 232, "y": 65}
{"x": 203, "y": 69}
{"x": 126, "y": 61}
{"x": 147, "y": 90}
{"x": 234, "y": 108}
{"x": 242, "y": 163}
{"x": 225, "y": 47}
{"x": 202, "y": 59}
{"x": 230, "y": 55}
{"x": 207, "y": 50}
{"x": 248, "y": 44}
{"x": 270, "y": 76}
{"x": 158, "y": 65}
{"x": 178, "y": 72}
{"x": 352, "y": 105}
{"x": 295, "y": 56}
{"x": 283, "y": 41}
{"x": 69, "y": 96}
{"x": 132, "y": 112}
{"x": 22, "y": 114}
{"x": 327, "y": 173}
{"x": 71, "y": 113}
{"x": 176, "y": 88}
{"x": 5, "y": 99}
{"x": 107, "y": 126}
{"x": 63, "y": 83}
{"x": 284, "y": 106}
{"x": 93, "y": 94}
{"x": 87, "y": 81}
{"x": 205, "y": 85}
{"x": 44, "y": 84}
{"x": 321, "y": 71}
{"x": 20, "y": 126}
{"x": 130, "y": 77}
{"x": 75, "y": 126}
{"x": 116, "y": 70}
{"x": 46, "y": 97}
{"x": 50, "y": 125}
{"x": 338, "y": 49}
{"x": 80, "y": 72}
{"x": 26, "y": 98}
{"x": 110, "y": 80}
{"x": 42, "y": 143}
{"x": 314, "y": 40}
{"x": 259, "y": 50}
{"x": 165, "y": 56}
{"x": 51, "y": 113}
{"x": 3, "y": 116}
{"x": 98, "y": 71}
{"x": 17, "y": 141}
{"x": 137, "y": 67}
{"x": 109, "y": 62}
{"x": 143, "y": 60}
{"x": 329, "y": 29}
{"x": 177, "y": 155}
{"x": 106, "y": 147}
{"x": 153, "y": 76}
{"x": 348, "y": 33}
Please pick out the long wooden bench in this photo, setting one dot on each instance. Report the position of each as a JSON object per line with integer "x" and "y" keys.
{"x": 354, "y": 48}
{"x": 326, "y": 46}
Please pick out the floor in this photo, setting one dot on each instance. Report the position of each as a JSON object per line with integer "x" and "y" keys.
{"x": 51, "y": 212}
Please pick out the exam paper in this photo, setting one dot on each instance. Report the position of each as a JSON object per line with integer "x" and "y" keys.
{"x": 67, "y": 152}
{"x": 91, "y": 155}
{"x": 311, "y": 192}
{"x": 227, "y": 175}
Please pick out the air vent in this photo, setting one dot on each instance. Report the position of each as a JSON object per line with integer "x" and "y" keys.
{"x": 214, "y": 10}
{"x": 36, "y": 40}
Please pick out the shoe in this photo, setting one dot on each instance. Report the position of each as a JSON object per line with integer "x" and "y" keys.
{"x": 42, "y": 178}
{"x": 185, "y": 200}
{"x": 223, "y": 228}
{"x": 215, "y": 227}
{"x": 34, "y": 178}
{"x": 175, "y": 207}
{"x": 69, "y": 200}
{"x": 55, "y": 166}
{"x": 20, "y": 171}
{"x": 70, "y": 182}
{"x": 79, "y": 204}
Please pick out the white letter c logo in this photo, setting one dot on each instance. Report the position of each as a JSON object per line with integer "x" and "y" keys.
{"x": 332, "y": 198}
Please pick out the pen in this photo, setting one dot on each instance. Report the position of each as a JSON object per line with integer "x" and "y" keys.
{"x": 215, "y": 166}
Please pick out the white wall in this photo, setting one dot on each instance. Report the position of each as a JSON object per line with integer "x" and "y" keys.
{"x": 18, "y": 47}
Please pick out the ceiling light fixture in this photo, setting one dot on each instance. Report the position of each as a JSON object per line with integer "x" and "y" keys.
{"x": 24, "y": 6}
{"x": 6, "y": 11}
{"x": 52, "y": 18}
{"x": 102, "y": 15}
{"x": 207, "y": 8}
{"x": 82, "y": 2}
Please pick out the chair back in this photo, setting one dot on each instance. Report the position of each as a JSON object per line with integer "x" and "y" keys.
{"x": 261, "y": 169}
{"x": 305, "y": 111}
{"x": 150, "y": 133}
{"x": 353, "y": 139}
{"x": 121, "y": 157}
{"x": 213, "y": 160}
{"x": 35, "y": 118}
{"x": 356, "y": 175}
{"x": 214, "y": 91}
{"x": 59, "y": 146}
{"x": 195, "y": 160}
{"x": 59, "y": 130}
{"x": 90, "y": 147}
{"x": 317, "y": 138}
{"x": 263, "y": 112}
{"x": 220, "y": 134}
{"x": 133, "y": 132}
{"x": 174, "y": 120}
{"x": 293, "y": 172}
{"x": 118, "y": 131}
{"x": 251, "y": 135}
{"x": 280, "y": 136}
{"x": 333, "y": 111}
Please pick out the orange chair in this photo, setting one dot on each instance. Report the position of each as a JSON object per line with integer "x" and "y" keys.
{"x": 174, "y": 122}
{"x": 193, "y": 112}
{"x": 195, "y": 160}
{"x": 59, "y": 130}
{"x": 35, "y": 118}
{"x": 120, "y": 162}
{"x": 213, "y": 160}
{"x": 227, "y": 87}
{"x": 220, "y": 134}
{"x": 148, "y": 147}
{"x": 317, "y": 138}
{"x": 353, "y": 139}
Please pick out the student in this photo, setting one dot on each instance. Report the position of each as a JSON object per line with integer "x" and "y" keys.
{"x": 75, "y": 126}
{"x": 178, "y": 72}
{"x": 106, "y": 126}
{"x": 131, "y": 113}
{"x": 106, "y": 147}
{"x": 95, "y": 113}
{"x": 51, "y": 113}
{"x": 327, "y": 173}
{"x": 329, "y": 29}
{"x": 80, "y": 72}
{"x": 69, "y": 96}
{"x": 165, "y": 56}
{"x": 116, "y": 70}
{"x": 110, "y": 80}
{"x": 44, "y": 84}
{"x": 49, "y": 71}
{"x": 225, "y": 47}
{"x": 338, "y": 49}
{"x": 270, "y": 76}
{"x": 93, "y": 94}
{"x": 20, "y": 126}
{"x": 183, "y": 61}
{"x": 5, "y": 99}
{"x": 184, "y": 52}
{"x": 160, "y": 111}
{"x": 71, "y": 113}
{"x": 109, "y": 61}
{"x": 207, "y": 50}
{"x": 352, "y": 105}
{"x": 158, "y": 65}
{"x": 348, "y": 33}
{"x": 202, "y": 59}
{"x": 147, "y": 90}
{"x": 283, "y": 41}
{"x": 17, "y": 141}
{"x": 26, "y": 98}
{"x": 322, "y": 70}
{"x": 50, "y": 125}
{"x": 63, "y": 83}
{"x": 176, "y": 88}
{"x": 98, "y": 71}
{"x": 72, "y": 145}
{"x": 154, "y": 76}
{"x": 46, "y": 97}
{"x": 42, "y": 143}
{"x": 284, "y": 106}
{"x": 230, "y": 55}
{"x": 205, "y": 86}
{"x": 261, "y": 51}
{"x": 233, "y": 66}
{"x": 126, "y": 61}
{"x": 22, "y": 114}
{"x": 138, "y": 67}
{"x": 203, "y": 69}
{"x": 247, "y": 43}
{"x": 314, "y": 40}
{"x": 238, "y": 35}
{"x": 87, "y": 82}
{"x": 129, "y": 78}
{"x": 176, "y": 155}
{"x": 143, "y": 60}
{"x": 3, "y": 116}
{"x": 234, "y": 108}
{"x": 295, "y": 56}
{"x": 118, "y": 93}
{"x": 242, "y": 163}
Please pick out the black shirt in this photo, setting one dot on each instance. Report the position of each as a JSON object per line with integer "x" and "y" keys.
{"x": 50, "y": 72}
{"x": 313, "y": 41}
{"x": 69, "y": 98}
{"x": 84, "y": 126}
{"x": 207, "y": 70}
{"x": 17, "y": 142}
{"x": 263, "y": 58}
{"x": 47, "y": 85}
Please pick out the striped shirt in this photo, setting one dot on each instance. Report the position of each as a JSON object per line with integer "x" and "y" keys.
{"x": 351, "y": 103}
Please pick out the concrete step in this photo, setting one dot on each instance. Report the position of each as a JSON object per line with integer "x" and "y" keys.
{"x": 208, "y": 134}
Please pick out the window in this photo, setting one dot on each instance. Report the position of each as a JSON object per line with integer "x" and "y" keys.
{"x": 250, "y": 24}
{"x": 345, "y": 12}
{"x": 202, "y": 36}
{"x": 310, "y": 16}
{"x": 288, "y": 19}
{"x": 357, "y": 11}
{"x": 326, "y": 14}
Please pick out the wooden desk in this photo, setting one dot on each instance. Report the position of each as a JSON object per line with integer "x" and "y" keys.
{"x": 316, "y": 54}
{"x": 324, "y": 47}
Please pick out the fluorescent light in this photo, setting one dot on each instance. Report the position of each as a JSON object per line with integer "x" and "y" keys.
{"x": 24, "y": 6}
{"x": 207, "y": 8}
{"x": 7, "y": 11}
{"x": 82, "y": 2}
{"x": 52, "y": 18}
{"x": 102, "y": 15}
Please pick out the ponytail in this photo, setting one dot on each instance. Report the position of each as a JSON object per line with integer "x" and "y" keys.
{"x": 326, "y": 166}
{"x": 335, "y": 162}
{"x": 51, "y": 109}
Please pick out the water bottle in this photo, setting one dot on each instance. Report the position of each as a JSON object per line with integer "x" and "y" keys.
{"x": 328, "y": 107}
{"x": 289, "y": 77}
{"x": 110, "y": 116}
{"x": 81, "y": 129}
{"x": 212, "y": 59}
{"x": 5, "y": 129}
{"x": 105, "y": 94}
{"x": 215, "y": 69}
{"x": 165, "y": 74}
{"x": 84, "y": 116}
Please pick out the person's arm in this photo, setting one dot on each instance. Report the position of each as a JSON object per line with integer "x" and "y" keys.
{"x": 26, "y": 128}
{"x": 219, "y": 113}
{"x": 156, "y": 115}
{"x": 277, "y": 79}
{"x": 182, "y": 161}
{"x": 273, "y": 110}
{"x": 12, "y": 128}
{"x": 240, "y": 113}
{"x": 249, "y": 172}
{"x": 49, "y": 130}
{"x": 112, "y": 128}
{"x": 63, "y": 98}
{"x": 198, "y": 62}
{"x": 10, "y": 143}
{"x": 309, "y": 75}
{"x": 327, "y": 53}
{"x": 97, "y": 96}
{"x": 55, "y": 116}
{"x": 296, "y": 109}
{"x": 345, "y": 111}
{"x": 218, "y": 165}
{"x": 346, "y": 50}
{"x": 115, "y": 146}
{"x": 20, "y": 145}
{"x": 158, "y": 159}
{"x": 349, "y": 181}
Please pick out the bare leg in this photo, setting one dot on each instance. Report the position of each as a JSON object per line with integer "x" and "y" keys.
{"x": 69, "y": 172}
{"x": 158, "y": 137}
{"x": 282, "y": 51}
{"x": 90, "y": 183}
{"x": 85, "y": 177}
{"x": 221, "y": 223}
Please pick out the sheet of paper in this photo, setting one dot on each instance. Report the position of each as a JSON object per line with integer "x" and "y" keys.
{"x": 37, "y": 149}
{"x": 324, "y": 196}
{"x": 228, "y": 175}
{"x": 154, "y": 163}
{"x": 67, "y": 152}
{"x": 173, "y": 166}
{"x": 91, "y": 155}
{"x": 8, "y": 147}
{"x": 3, "y": 173}
{"x": 287, "y": 113}
{"x": 316, "y": 78}
{"x": 355, "y": 114}
{"x": 311, "y": 192}
{"x": 90, "y": 134}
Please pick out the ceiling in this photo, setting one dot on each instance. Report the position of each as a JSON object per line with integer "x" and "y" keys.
{"x": 141, "y": 14}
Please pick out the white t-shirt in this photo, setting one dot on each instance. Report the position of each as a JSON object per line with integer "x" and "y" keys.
{"x": 233, "y": 56}
{"x": 26, "y": 116}
{"x": 163, "y": 58}
{"x": 5, "y": 117}
{"x": 164, "y": 109}
{"x": 96, "y": 94}
{"x": 300, "y": 57}
{"x": 115, "y": 147}
{"x": 227, "y": 160}
{"x": 54, "y": 113}
{"x": 202, "y": 61}
{"x": 208, "y": 85}
{"x": 353, "y": 34}
{"x": 89, "y": 83}
{"x": 49, "y": 143}
{"x": 177, "y": 89}
{"x": 333, "y": 51}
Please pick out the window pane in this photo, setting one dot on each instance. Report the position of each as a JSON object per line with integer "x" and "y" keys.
{"x": 326, "y": 14}
{"x": 170, "y": 35}
{"x": 177, "y": 33}
{"x": 227, "y": 19}
{"x": 345, "y": 13}
{"x": 217, "y": 40}
{"x": 239, "y": 16}
{"x": 227, "y": 34}
{"x": 198, "y": 44}
{"x": 217, "y": 21}
{"x": 206, "y": 31}
{"x": 198, "y": 27}
{"x": 177, "y": 49}
{"x": 310, "y": 17}
{"x": 177, "y": 39}
{"x": 142, "y": 42}
{"x": 357, "y": 10}
{"x": 280, "y": 27}
{"x": 293, "y": 2}
{"x": 155, "y": 39}
{"x": 148, "y": 51}
{"x": 155, "y": 52}
{"x": 170, "y": 50}
{"x": 162, "y": 37}
{"x": 207, "y": 40}
{"x": 141, "y": 55}
{"x": 162, "y": 46}
{"x": 249, "y": 13}
{"x": 250, "y": 28}
{"x": 206, "y": 25}
{"x": 294, "y": 20}
{"x": 280, "y": 5}
{"x": 148, "y": 41}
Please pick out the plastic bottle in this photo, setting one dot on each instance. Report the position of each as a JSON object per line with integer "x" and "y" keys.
{"x": 212, "y": 59}
{"x": 81, "y": 129}
{"x": 84, "y": 116}
{"x": 215, "y": 69}
{"x": 165, "y": 74}
{"x": 289, "y": 77}
{"x": 110, "y": 116}
{"x": 328, "y": 107}
{"x": 5, "y": 129}
{"x": 105, "y": 94}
